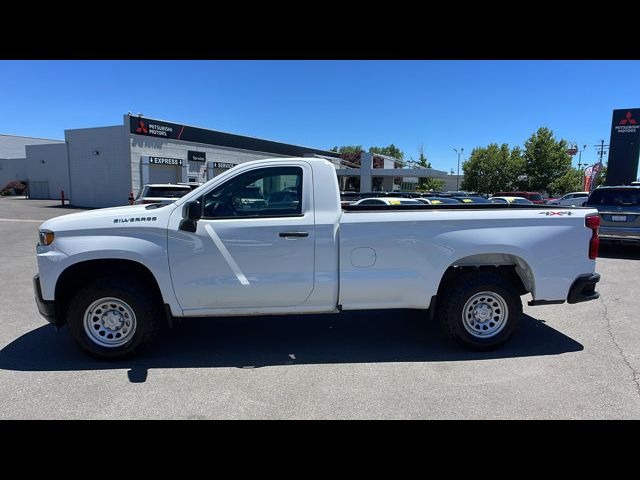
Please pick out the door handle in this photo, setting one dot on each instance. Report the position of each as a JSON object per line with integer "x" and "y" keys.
{"x": 294, "y": 234}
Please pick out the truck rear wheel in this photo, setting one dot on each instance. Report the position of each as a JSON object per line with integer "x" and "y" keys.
{"x": 480, "y": 310}
{"x": 113, "y": 318}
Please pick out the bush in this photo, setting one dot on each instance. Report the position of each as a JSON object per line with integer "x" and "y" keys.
{"x": 14, "y": 187}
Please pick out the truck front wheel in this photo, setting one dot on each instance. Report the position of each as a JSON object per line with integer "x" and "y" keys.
{"x": 481, "y": 310}
{"x": 113, "y": 318}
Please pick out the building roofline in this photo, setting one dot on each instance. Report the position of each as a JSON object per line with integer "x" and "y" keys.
{"x": 230, "y": 135}
{"x": 34, "y": 138}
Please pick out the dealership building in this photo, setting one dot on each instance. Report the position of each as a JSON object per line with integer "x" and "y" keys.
{"x": 102, "y": 166}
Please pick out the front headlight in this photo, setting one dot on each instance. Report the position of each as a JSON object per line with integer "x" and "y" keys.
{"x": 46, "y": 237}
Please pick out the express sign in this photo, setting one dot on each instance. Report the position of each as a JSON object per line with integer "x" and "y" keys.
{"x": 165, "y": 161}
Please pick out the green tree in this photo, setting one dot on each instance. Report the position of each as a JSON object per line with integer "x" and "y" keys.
{"x": 349, "y": 153}
{"x": 391, "y": 151}
{"x": 428, "y": 183}
{"x": 571, "y": 181}
{"x": 546, "y": 160}
{"x": 347, "y": 149}
{"x": 602, "y": 177}
{"x": 492, "y": 169}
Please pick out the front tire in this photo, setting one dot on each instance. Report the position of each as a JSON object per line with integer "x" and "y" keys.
{"x": 113, "y": 318}
{"x": 480, "y": 310}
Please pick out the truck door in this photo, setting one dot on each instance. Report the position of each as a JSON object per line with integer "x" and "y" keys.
{"x": 253, "y": 246}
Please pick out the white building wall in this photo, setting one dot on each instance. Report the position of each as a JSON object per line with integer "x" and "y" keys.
{"x": 450, "y": 182}
{"x": 48, "y": 163}
{"x": 12, "y": 169}
{"x": 102, "y": 179}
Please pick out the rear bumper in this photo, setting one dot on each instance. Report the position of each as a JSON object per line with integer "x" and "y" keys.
{"x": 584, "y": 289}
{"x": 631, "y": 234}
{"x": 46, "y": 308}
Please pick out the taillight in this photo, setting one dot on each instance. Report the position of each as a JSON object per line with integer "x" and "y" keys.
{"x": 593, "y": 222}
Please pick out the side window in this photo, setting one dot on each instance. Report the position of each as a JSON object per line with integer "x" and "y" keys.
{"x": 372, "y": 202}
{"x": 264, "y": 192}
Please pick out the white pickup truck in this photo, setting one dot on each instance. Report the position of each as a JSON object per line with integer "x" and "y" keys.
{"x": 115, "y": 276}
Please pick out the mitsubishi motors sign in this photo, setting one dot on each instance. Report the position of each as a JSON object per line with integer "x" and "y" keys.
{"x": 624, "y": 147}
{"x": 155, "y": 128}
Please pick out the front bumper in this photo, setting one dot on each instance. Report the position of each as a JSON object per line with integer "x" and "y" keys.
{"x": 46, "y": 308}
{"x": 584, "y": 289}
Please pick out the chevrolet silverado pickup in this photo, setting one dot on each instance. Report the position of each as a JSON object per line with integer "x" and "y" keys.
{"x": 115, "y": 276}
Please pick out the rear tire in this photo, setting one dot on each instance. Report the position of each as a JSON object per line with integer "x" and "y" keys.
{"x": 480, "y": 310}
{"x": 113, "y": 318}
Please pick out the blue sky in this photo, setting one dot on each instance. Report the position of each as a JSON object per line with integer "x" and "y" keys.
{"x": 440, "y": 104}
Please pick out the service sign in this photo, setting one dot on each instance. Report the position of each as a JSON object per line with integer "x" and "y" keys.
{"x": 223, "y": 165}
{"x": 196, "y": 156}
{"x": 165, "y": 161}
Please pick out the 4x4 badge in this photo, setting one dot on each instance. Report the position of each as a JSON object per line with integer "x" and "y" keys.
{"x": 560, "y": 213}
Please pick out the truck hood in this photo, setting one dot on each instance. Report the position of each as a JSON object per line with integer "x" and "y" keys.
{"x": 138, "y": 215}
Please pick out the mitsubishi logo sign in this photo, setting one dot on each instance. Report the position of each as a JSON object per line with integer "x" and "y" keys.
{"x": 141, "y": 127}
{"x": 627, "y": 119}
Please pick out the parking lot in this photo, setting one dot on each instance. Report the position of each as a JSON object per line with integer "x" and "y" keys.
{"x": 566, "y": 361}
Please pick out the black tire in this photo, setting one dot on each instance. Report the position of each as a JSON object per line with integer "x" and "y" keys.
{"x": 146, "y": 307}
{"x": 461, "y": 289}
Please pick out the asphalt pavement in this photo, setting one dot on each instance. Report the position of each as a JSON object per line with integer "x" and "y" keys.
{"x": 565, "y": 362}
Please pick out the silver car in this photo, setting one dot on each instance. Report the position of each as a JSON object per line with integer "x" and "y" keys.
{"x": 619, "y": 209}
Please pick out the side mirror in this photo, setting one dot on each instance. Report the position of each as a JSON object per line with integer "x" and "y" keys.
{"x": 191, "y": 213}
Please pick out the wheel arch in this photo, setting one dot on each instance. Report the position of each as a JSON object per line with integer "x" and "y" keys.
{"x": 512, "y": 267}
{"x": 79, "y": 274}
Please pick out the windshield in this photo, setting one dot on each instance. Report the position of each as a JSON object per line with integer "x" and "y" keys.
{"x": 167, "y": 192}
{"x": 627, "y": 197}
{"x": 535, "y": 197}
{"x": 473, "y": 200}
{"x": 442, "y": 201}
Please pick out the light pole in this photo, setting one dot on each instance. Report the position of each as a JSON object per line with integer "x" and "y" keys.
{"x": 584, "y": 147}
{"x": 458, "y": 177}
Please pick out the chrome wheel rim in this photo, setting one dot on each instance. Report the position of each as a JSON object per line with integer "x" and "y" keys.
{"x": 485, "y": 314}
{"x": 109, "y": 322}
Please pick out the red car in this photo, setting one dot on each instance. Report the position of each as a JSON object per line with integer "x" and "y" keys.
{"x": 534, "y": 197}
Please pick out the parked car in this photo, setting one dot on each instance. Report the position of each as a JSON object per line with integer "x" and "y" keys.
{"x": 535, "y": 197}
{"x": 348, "y": 198}
{"x": 573, "y": 199}
{"x": 472, "y": 199}
{"x": 407, "y": 194}
{"x": 388, "y": 201}
{"x": 619, "y": 209}
{"x": 452, "y": 194}
{"x": 438, "y": 201}
{"x": 516, "y": 200}
{"x": 191, "y": 185}
{"x": 161, "y": 193}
